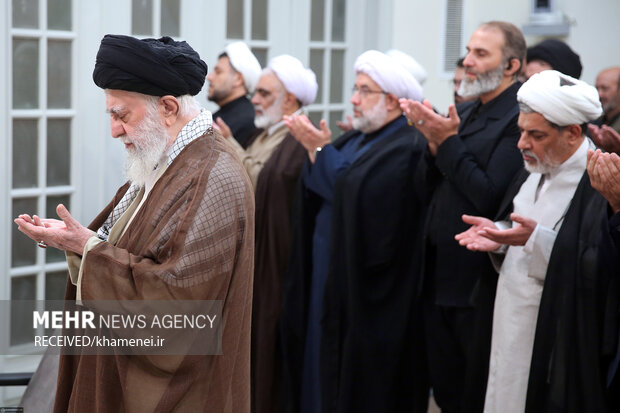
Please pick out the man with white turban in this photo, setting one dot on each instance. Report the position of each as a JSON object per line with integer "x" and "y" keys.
{"x": 471, "y": 158}
{"x": 231, "y": 81}
{"x": 273, "y": 160}
{"x": 351, "y": 320}
{"x": 547, "y": 336}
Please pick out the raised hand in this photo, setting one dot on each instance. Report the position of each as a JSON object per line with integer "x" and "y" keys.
{"x": 67, "y": 235}
{"x": 472, "y": 239}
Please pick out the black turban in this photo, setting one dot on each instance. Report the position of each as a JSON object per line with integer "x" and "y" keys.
{"x": 155, "y": 67}
{"x": 559, "y": 56}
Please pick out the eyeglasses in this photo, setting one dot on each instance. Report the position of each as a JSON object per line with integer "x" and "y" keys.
{"x": 365, "y": 91}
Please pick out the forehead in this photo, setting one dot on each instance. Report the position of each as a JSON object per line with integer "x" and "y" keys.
{"x": 269, "y": 81}
{"x": 116, "y": 99}
{"x": 486, "y": 38}
{"x": 608, "y": 77}
{"x": 534, "y": 121}
{"x": 363, "y": 79}
{"x": 223, "y": 63}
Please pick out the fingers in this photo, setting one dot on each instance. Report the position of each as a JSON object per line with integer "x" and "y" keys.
{"x": 472, "y": 220}
{"x": 453, "y": 114}
{"x": 63, "y": 213}
{"x": 520, "y": 219}
{"x": 428, "y": 104}
{"x": 325, "y": 129}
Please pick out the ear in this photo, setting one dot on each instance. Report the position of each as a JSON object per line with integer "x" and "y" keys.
{"x": 169, "y": 109}
{"x": 573, "y": 133}
{"x": 238, "y": 80}
{"x": 513, "y": 67}
{"x": 391, "y": 102}
{"x": 289, "y": 104}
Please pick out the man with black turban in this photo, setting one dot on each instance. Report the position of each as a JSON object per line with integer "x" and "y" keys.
{"x": 552, "y": 54}
{"x": 182, "y": 228}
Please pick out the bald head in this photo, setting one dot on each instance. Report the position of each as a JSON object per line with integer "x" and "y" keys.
{"x": 608, "y": 87}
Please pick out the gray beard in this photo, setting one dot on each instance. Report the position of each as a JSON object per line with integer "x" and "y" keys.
{"x": 541, "y": 167}
{"x": 150, "y": 142}
{"x": 271, "y": 115}
{"x": 372, "y": 119}
{"x": 484, "y": 83}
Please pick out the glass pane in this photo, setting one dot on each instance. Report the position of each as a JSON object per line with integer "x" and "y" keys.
{"x": 23, "y": 249}
{"x": 25, "y": 153}
{"x": 53, "y": 254}
{"x": 316, "y": 117}
{"x": 338, "y": 14}
{"x": 170, "y": 17}
{"x": 22, "y": 288}
{"x": 142, "y": 17}
{"x": 55, "y": 283}
{"x": 234, "y": 19}
{"x": 58, "y": 74}
{"x": 334, "y": 117}
{"x": 26, "y": 14}
{"x": 25, "y": 74}
{"x": 59, "y": 14}
{"x": 317, "y": 22}
{"x": 261, "y": 55}
{"x": 316, "y": 64}
{"x": 58, "y": 152}
{"x": 336, "y": 76}
{"x": 259, "y": 19}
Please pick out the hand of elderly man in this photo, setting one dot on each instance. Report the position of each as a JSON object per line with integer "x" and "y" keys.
{"x": 472, "y": 238}
{"x": 66, "y": 235}
{"x": 604, "y": 171}
{"x": 436, "y": 128}
{"x": 605, "y": 137}
{"x": 309, "y": 136}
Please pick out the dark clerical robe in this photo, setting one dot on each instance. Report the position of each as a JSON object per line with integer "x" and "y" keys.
{"x": 351, "y": 319}
{"x": 275, "y": 192}
{"x": 239, "y": 116}
{"x": 192, "y": 239}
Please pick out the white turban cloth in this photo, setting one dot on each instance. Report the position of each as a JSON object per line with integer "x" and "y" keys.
{"x": 243, "y": 61}
{"x": 561, "y": 99}
{"x": 409, "y": 63}
{"x": 390, "y": 75}
{"x": 297, "y": 79}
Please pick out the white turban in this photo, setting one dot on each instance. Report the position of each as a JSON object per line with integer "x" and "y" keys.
{"x": 243, "y": 61}
{"x": 390, "y": 75}
{"x": 561, "y": 99}
{"x": 409, "y": 63}
{"x": 298, "y": 80}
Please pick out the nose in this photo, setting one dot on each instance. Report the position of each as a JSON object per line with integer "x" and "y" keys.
{"x": 209, "y": 77}
{"x": 468, "y": 61}
{"x": 355, "y": 98}
{"x": 255, "y": 99}
{"x": 523, "y": 142}
{"x": 116, "y": 128}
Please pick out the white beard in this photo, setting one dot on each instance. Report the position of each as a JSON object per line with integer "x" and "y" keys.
{"x": 150, "y": 141}
{"x": 373, "y": 118}
{"x": 483, "y": 83}
{"x": 272, "y": 115}
{"x": 541, "y": 167}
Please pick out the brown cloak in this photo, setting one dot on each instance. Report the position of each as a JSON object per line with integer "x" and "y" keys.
{"x": 192, "y": 239}
{"x": 275, "y": 192}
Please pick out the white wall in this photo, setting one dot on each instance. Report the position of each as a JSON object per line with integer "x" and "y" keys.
{"x": 418, "y": 27}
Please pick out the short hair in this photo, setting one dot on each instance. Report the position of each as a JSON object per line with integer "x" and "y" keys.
{"x": 525, "y": 108}
{"x": 514, "y": 42}
{"x": 187, "y": 104}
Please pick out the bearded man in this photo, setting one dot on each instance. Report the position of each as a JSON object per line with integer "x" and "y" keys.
{"x": 231, "y": 81}
{"x": 471, "y": 158}
{"x": 351, "y": 319}
{"x": 548, "y": 348}
{"x": 182, "y": 228}
{"x": 273, "y": 160}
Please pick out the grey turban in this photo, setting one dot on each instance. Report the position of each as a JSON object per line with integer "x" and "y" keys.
{"x": 390, "y": 75}
{"x": 561, "y": 99}
{"x": 155, "y": 67}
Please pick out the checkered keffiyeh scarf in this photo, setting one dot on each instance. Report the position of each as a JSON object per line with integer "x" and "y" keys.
{"x": 194, "y": 129}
